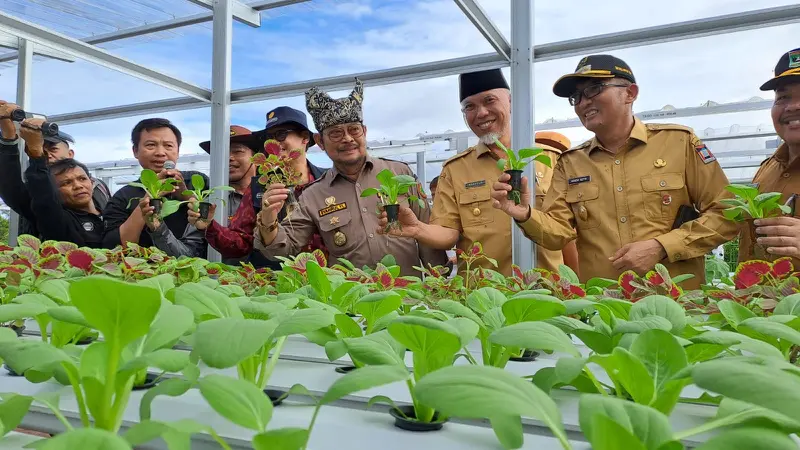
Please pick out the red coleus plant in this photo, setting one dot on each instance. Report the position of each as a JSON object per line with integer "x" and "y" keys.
{"x": 275, "y": 166}
{"x": 761, "y": 283}
{"x": 299, "y": 262}
{"x": 381, "y": 280}
{"x": 538, "y": 278}
{"x": 656, "y": 282}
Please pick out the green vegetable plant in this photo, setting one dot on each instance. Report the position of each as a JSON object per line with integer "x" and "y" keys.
{"x": 391, "y": 188}
{"x": 515, "y": 162}
{"x": 749, "y": 205}
{"x": 202, "y": 194}
{"x": 156, "y": 189}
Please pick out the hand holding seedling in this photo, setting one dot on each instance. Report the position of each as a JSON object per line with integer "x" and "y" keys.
{"x": 780, "y": 235}
{"x": 410, "y": 225}
{"x": 638, "y": 256}
{"x": 500, "y": 190}
{"x": 179, "y": 185}
{"x": 272, "y": 202}
{"x": 194, "y": 216}
{"x": 148, "y": 212}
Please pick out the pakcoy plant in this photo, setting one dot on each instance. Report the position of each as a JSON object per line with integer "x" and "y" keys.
{"x": 749, "y": 205}
{"x": 277, "y": 167}
{"x": 515, "y": 162}
{"x": 391, "y": 188}
{"x": 202, "y": 194}
{"x": 156, "y": 189}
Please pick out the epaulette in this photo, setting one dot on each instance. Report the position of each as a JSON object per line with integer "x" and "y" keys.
{"x": 578, "y": 147}
{"x": 460, "y": 155}
{"x": 668, "y": 126}
{"x": 316, "y": 180}
{"x": 394, "y": 161}
{"x": 765, "y": 161}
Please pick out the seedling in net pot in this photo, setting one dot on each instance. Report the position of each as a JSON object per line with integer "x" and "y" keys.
{"x": 513, "y": 164}
{"x": 201, "y": 194}
{"x": 156, "y": 189}
{"x": 276, "y": 167}
{"x": 391, "y": 188}
{"x": 749, "y": 205}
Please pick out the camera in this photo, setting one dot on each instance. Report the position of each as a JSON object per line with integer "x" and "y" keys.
{"x": 48, "y": 128}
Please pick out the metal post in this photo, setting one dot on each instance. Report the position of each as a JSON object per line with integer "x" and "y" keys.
{"x": 24, "y": 101}
{"x": 220, "y": 107}
{"x": 423, "y": 179}
{"x": 524, "y": 251}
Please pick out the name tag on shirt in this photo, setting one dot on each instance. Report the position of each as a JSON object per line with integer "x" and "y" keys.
{"x": 475, "y": 184}
{"x": 578, "y": 180}
{"x": 332, "y": 209}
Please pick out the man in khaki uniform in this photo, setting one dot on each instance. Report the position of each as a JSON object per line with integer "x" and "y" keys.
{"x": 622, "y": 190}
{"x": 781, "y": 172}
{"x": 462, "y": 211}
{"x": 332, "y": 205}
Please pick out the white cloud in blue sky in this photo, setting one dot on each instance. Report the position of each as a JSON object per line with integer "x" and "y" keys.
{"x": 331, "y": 38}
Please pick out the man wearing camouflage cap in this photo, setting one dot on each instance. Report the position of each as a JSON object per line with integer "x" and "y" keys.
{"x": 332, "y": 205}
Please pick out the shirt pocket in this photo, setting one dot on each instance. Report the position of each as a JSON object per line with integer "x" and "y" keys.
{"x": 583, "y": 200}
{"x": 475, "y": 207}
{"x": 662, "y": 195}
{"x": 335, "y": 225}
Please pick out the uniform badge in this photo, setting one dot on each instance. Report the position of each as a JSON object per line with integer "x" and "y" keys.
{"x": 475, "y": 184}
{"x": 476, "y": 212}
{"x": 794, "y": 59}
{"x": 578, "y": 180}
{"x": 666, "y": 199}
{"x": 88, "y": 226}
{"x": 705, "y": 154}
{"x": 332, "y": 208}
{"x": 339, "y": 239}
{"x": 659, "y": 163}
{"x": 335, "y": 220}
{"x": 330, "y": 200}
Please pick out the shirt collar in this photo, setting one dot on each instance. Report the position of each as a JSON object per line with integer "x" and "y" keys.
{"x": 334, "y": 173}
{"x": 782, "y": 154}
{"x": 638, "y": 133}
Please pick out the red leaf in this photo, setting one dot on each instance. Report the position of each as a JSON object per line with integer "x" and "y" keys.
{"x": 258, "y": 159}
{"x": 749, "y": 273}
{"x": 476, "y": 250}
{"x": 51, "y": 262}
{"x": 675, "y": 292}
{"x": 14, "y": 269}
{"x": 781, "y": 267}
{"x": 294, "y": 154}
{"x": 65, "y": 247}
{"x": 516, "y": 271}
{"x": 624, "y": 282}
{"x": 401, "y": 282}
{"x": 272, "y": 147}
{"x": 80, "y": 259}
{"x": 48, "y": 251}
{"x": 655, "y": 278}
{"x": 577, "y": 291}
{"x": 385, "y": 279}
{"x": 319, "y": 255}
{"x": 212, "y": 271}
{"x": 720, "y": 294}
{"x": 5, "y": 248}
{"x": 29, "y": 241}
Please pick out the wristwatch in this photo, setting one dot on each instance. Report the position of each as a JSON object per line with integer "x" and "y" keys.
{"x": 269, "y": 229}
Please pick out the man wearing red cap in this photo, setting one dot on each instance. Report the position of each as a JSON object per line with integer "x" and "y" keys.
{"x": 780, "y": 172}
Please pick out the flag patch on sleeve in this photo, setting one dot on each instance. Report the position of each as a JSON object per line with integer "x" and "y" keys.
{"x": 705, "y": 154}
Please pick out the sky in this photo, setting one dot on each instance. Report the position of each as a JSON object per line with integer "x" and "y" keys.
{"x": 328, "y": 37}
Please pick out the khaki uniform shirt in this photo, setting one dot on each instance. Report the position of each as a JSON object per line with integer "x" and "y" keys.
{"x": 634, "y": 195}
{"x": 546, "y": 259}
{"x": 347, "y": 223}
{"x": 775, "y": 175}
{"x": 464, "y": 203}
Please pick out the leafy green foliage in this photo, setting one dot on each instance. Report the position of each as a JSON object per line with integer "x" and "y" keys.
{"x": 750, "y": 204}
{"x": 392, "y": 187}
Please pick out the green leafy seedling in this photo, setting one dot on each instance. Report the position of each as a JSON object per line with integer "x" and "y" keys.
{"x": 156, "y": 189}
{"x": 392, "y": 186}
{"x": 517, "y": 161}
{"x": 750, "y": 204}
{"x": 200, "y": 192}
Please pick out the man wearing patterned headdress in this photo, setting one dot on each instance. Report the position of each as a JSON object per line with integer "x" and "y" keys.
{"x": 332, "y": 205}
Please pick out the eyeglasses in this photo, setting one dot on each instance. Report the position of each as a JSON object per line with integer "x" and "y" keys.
{"x": 337, "y": 134}
{"x": 591, "y": 91}
{"x": 279, "y": 135}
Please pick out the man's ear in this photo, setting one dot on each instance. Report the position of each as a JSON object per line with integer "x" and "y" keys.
{"x": 633, "y": 92}
{"x": 135, "y": 153}
{"x": 365, "y": 129}
{"x": 318, "y": 141}
{"x": 71, "y": 153}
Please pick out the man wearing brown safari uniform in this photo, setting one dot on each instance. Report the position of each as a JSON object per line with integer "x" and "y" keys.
{"x": 332, "y": 205}
{"x": 780, "y": 236}
{"x": 462, "y": 210}
{"x": 623, "y": 189}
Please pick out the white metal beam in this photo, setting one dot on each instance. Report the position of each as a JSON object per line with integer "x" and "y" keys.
{"x": 522, "y": 115}
{"x": 11, "y": 42}
{"x": 23, "y": 100}
{"x": 65, "y": 44}
{"x": 241, "y": 12}
{"x": 487, "y": 28}
{"x": 166, "y": 25}
{"x": 692, "y": 29}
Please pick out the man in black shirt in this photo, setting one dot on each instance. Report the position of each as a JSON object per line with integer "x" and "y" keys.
{"x": 61, "y": 195}
{"x": 155, "y": 141}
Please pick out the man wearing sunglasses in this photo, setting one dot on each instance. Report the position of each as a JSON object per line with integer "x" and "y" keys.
{"x": 332, "y": 206}
{"x": 288, "y": 126}
{"x": 621, "y": 192}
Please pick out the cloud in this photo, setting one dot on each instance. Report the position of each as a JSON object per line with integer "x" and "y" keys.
{"x": 336, "y": 38}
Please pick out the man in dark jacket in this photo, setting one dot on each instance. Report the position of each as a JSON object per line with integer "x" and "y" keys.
{"x": 289, "y": 127}
{"x": 156, "y": 145}
{"x": 61, "y": 195}
{"x": 13, "y": 190}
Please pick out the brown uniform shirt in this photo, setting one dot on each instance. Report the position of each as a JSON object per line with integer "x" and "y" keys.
{"x": 464, "y": 203}
{"x": 775, "y": 175}
{"x": 347, "y": 223}
{"x": 634, "y": 195}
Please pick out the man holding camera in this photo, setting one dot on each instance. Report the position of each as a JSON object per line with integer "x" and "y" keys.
{"x": 129, "y": 217}
{"x": 59, "y": 196}
{"x": 13, "y": 189}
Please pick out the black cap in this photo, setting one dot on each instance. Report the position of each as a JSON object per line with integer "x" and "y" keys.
{"x": 593, "y": 66}
{"x": 788, "y": 66}
{"x": 283, "y": 115}
{"x": 476, "y": 82}
{"x": 60, "y": 137}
